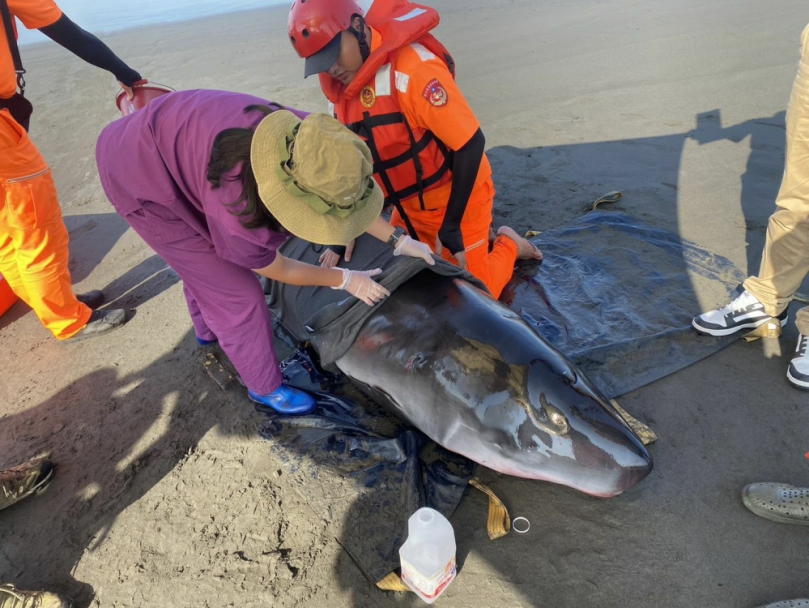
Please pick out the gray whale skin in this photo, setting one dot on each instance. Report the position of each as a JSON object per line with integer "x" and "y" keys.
{"x": 473, "y": 376}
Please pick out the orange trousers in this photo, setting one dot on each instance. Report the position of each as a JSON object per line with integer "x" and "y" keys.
{"x": 494, "y": 268}
{"x": 33, "y": 236}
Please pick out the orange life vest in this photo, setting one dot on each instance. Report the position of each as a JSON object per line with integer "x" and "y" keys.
{"x": 408, "y": 161}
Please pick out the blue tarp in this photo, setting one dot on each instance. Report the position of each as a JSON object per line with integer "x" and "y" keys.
{"x": 617, "y": 296}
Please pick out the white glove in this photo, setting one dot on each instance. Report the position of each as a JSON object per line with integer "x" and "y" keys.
{"x": 414, "y": 249}
{"x": 360, "y": 285}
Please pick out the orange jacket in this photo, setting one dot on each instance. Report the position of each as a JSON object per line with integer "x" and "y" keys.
{"x": 34, "y": 14}
{"x": 409, "y": 161}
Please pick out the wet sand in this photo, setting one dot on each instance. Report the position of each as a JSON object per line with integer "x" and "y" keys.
{"x": 165, "y": 493}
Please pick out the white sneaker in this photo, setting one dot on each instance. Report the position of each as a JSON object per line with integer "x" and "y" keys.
{"x": 798, "y": 370}
{"x": 745, "y": 312}
{"x": 778, "y": 502}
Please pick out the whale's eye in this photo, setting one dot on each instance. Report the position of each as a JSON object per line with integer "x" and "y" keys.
{"x": 558, "y": 421}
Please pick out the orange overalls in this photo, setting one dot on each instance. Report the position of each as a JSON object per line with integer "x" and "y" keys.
{"x": 418, "y": 86}
{"x": 33, "y": 237}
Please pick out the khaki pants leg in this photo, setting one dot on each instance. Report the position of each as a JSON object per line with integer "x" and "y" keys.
{"x": 802, "y": 320}
{"x": 785, "y": 261}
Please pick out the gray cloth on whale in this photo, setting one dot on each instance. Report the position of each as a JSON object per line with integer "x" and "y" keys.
{"x": 331, "y": 318}
{"x": 613, "y": 294}
{"x": 617, "y": 297}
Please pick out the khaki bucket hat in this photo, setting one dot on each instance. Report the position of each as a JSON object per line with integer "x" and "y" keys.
{"x": 315, "y": 177}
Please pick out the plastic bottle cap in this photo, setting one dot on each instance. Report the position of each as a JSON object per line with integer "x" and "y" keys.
{"x": 426, "y": 516}
{"x": 520, "y": 519}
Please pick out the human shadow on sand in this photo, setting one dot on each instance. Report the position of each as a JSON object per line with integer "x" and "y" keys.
{"x": 92, "y": 237}
{"x": 559, "y": 183}
{"x": 762, "y": 176}
{"x": 107, "y": 459}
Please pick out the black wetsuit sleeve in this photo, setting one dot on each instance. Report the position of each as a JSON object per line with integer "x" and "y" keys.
{"x": 89, "y": 48}
{"x": 465, "y": 166}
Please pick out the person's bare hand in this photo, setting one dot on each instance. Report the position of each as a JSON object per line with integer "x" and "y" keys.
{"x": 329, "y": 259}
{"x": 350, "y": 249}
{"x": 130, "y": 94}
{"x": 460, "y": 257}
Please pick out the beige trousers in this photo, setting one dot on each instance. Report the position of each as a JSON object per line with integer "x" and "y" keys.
{"x": 785, "y": 261}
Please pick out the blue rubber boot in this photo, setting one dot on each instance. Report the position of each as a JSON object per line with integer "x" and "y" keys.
{"x": 286, "y": 400}
{"x": 202, "y": 342}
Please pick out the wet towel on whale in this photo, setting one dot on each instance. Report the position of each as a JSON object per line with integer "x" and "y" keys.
{"x": 331, "y": 319}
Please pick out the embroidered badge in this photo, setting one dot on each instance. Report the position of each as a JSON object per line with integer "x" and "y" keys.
{"x": 436, "y": 94}
{"x": 368, "y": 97}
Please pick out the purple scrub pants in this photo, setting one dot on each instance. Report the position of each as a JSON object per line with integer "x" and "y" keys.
{"x": 226, "y": 301}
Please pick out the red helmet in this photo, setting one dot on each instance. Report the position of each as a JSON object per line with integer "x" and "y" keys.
{"x": 312, "y": 24}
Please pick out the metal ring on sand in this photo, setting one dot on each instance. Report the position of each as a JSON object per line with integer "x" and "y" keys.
{"x": 514, "y": 525}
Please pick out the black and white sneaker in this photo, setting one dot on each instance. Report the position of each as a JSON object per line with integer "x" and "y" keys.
{"x": 745, "y": 312}
{"x": 798, "y": 370}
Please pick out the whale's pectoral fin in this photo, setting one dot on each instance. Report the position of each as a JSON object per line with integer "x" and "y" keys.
{"x": 642, "y": 430}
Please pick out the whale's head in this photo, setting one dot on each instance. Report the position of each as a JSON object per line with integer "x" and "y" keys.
{"x": 561, "y": 429}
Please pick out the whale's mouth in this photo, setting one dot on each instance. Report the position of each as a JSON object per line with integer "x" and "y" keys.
{"x": 629, "y": 477}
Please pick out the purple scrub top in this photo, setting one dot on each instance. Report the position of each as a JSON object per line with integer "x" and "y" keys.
{"x": 160, "y": 155}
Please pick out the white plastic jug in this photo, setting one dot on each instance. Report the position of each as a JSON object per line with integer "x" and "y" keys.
{"x": 428, "y": 555}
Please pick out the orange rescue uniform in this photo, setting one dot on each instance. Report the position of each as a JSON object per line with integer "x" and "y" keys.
{"x": 422, "y": 87}
{"x": 33, "y": 237}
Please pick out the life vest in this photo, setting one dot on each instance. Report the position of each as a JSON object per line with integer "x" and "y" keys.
{"x": 408, "y": 160}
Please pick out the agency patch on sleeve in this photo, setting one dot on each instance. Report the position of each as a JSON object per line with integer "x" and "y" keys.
{"x": 436, "y": 94}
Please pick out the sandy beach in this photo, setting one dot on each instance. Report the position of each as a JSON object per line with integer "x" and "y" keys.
{"x": 165, "y": 493}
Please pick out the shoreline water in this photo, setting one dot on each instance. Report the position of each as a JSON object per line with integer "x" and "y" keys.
{"x": 112, "y": 19}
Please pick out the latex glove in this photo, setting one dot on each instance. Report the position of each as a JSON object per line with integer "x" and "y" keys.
{"x": 331, "y": 257}
{"x": 360, "y": 285}
{"x": 414, "y": 249}
{"x": 460, "y": 256}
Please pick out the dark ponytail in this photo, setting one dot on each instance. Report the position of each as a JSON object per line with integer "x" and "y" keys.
{"x": 362, "y": 39}
{"x": 230, "y": 149}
